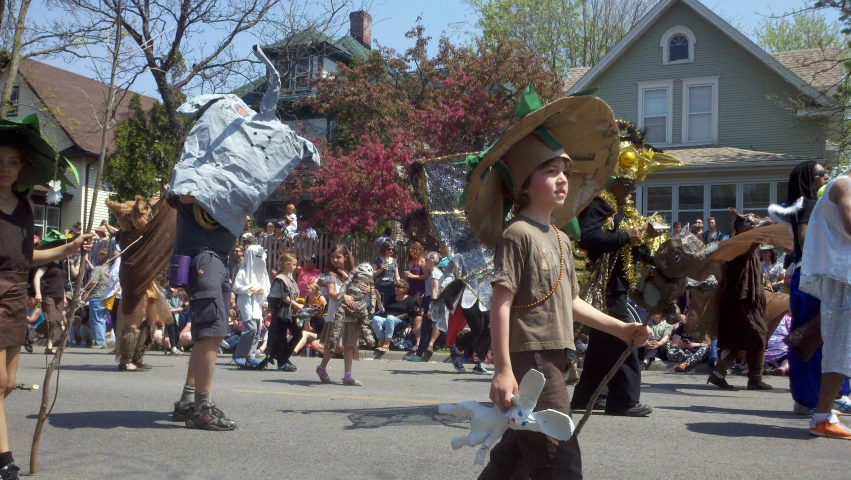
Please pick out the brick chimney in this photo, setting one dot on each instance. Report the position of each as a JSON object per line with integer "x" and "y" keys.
{"x": 360, "y": 27}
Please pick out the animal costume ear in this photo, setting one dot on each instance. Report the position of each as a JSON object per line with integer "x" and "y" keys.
{"x": 530, "y": 389}
{"x": 555, "y": 424}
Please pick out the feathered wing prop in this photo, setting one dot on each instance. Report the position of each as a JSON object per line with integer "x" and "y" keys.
{"x": 784, "y": 215}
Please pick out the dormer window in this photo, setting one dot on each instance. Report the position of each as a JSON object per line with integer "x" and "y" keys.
{"x": 678, "y": 49}
{"x": 677, "y": 45}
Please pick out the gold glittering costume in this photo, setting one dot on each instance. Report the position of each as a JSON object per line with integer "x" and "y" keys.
{"x": 612, "y": 269}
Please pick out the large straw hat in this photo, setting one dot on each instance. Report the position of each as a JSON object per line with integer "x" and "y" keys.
{"x": 582, "y": 127}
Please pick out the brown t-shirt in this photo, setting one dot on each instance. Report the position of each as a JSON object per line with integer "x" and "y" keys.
{"x": 526, "y": 262}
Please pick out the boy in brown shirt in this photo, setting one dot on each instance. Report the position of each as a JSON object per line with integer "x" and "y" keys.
{"x": 534, "y": 299}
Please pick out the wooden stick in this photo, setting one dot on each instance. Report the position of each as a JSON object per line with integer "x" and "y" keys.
{"x": 43, "y": 411}
{"x": 605, "y": 382}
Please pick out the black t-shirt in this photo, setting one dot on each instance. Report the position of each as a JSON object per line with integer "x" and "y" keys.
{"x": 406, "y": 306}
{"x": 680, "y": 330}
{"x": 191, "y": 238}
{"x": 802, "y": 218}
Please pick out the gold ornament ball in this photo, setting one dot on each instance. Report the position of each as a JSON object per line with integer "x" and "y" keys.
{"x": 627, "y": 159}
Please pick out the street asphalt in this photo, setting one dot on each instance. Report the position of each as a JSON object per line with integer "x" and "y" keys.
{"x": 111, "y": 425}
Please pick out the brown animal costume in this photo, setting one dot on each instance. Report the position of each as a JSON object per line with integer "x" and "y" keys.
{"x": 142, "y": 302}
{"x": 741, "y": 311}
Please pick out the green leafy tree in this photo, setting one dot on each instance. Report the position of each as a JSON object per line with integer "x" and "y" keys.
{"x": 568, "y": 33}
{"x": 798, "y": 31}
{"x": 145, "y": 147}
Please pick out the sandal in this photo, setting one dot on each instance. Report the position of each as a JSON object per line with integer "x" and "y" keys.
{"x": 50, "y": 351}
{"x": 142, "y": 366}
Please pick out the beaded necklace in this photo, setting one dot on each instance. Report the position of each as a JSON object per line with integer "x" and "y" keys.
{"x": 558, "y": 281}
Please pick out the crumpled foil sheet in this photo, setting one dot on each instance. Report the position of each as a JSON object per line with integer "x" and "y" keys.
{"x": 472, "y": 262}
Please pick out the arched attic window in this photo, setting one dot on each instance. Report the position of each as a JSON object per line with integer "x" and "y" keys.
{"x": 677, "y": 45}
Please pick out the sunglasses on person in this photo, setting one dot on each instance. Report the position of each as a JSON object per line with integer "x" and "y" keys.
{"x": 822, "y": 173}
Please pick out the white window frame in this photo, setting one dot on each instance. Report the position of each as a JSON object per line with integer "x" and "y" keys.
{"x": 700, "y": 82}
{"x": 669, "y": 85}
{"x": 666, "y": 39}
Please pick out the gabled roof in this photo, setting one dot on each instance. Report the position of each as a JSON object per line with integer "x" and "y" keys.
{"x": 348, "y": 46}
{"x": 74, "y": 101}
{"x": 732, "y": 157}
{"x": 819, "y": 67}
{"x": 663, "y": 6}
{"x": 573, "y": 76}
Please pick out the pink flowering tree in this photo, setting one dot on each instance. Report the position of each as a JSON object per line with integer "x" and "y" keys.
{"x": 393, "y": 109}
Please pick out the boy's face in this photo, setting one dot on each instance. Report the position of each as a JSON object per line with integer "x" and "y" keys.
{"x": 548, "y": 185}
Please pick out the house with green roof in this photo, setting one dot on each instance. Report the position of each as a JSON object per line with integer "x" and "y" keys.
{"x": 738, "y": 117}
{"x": 304, "y": 56}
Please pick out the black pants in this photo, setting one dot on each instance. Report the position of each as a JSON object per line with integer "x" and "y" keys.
{"x": 479, "y": 338}
{"x": 425, "y": 328}
{"x": 603, "y": 351}
{"x": 282, "y": 349}
{"x": 171, "y": 333}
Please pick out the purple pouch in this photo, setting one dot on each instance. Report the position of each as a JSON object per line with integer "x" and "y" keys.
{"x": 178, "y": 273}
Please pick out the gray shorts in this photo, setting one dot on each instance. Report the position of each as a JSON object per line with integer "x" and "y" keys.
{"x": 209, "y": 296}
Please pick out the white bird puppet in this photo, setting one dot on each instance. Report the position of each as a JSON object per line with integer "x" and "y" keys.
{"x": 488, "y": 424}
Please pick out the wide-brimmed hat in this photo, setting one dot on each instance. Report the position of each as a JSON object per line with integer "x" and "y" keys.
{"x": 55, "y": 238}
{"x": 42, "y": 163}
{"x": 582, "y": 127}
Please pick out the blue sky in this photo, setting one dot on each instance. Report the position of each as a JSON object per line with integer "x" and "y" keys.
{"x": 394, "y": 17}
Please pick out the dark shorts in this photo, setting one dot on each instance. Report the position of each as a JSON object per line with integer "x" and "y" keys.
{"x": 209, "y": 296}
{"x": 541, "y": 456}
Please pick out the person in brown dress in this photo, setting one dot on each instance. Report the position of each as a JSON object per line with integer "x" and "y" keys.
{"x": 18, "y": 156}
{"x": 742, "y": 314}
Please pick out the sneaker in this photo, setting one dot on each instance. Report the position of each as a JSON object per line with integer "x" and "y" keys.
{"x": 480, "y": 369}
{"x": 252, "y": 362}
{"x": 639, "y": 410}
{"x": 210, "y": 418}
{"x": 323, "y": 375}
{"x": 288, "y": 367}
{"x": 10, "y": 472}
{"x": 239, "y": 361}
{"x": 830, "y": 428}
{"x": 458, "y": 363}
{"x": 412, "y": 357}
{"x": 182, "y": 413}
{"x": 427, "y": 354}
{"x": 98, "y": 347}
{"x": 843, "y": 405}
{"x": 350, "y": 381}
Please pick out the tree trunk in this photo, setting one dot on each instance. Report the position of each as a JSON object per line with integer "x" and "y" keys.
{"x": 178, "y": 126}
{"x": 14, "y": 59}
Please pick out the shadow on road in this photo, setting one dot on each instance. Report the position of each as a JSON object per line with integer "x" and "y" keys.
{"x": 110, "y": 419}
{"x": 422, "y": 372}
{"x": 735, "y": 411}
{"x": 675, "y": 389}
{"x": 739, "y": 429}
{"x": 300, "y": 383}
{"x": 392, "y": 417}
